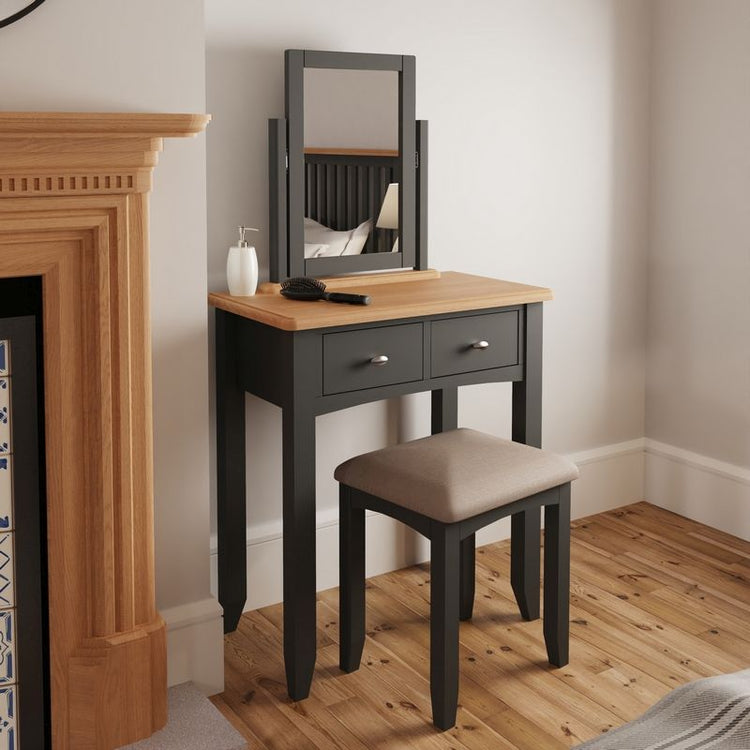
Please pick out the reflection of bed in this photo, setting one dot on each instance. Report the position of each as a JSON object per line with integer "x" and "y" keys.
{"x": 323, "y": 242}
{"x": 345, "y": 187}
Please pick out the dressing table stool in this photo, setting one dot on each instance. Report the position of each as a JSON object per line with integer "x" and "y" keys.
{"x": 447, "y": 487}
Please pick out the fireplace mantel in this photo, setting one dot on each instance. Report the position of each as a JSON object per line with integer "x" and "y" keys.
{"x": 73, "y": 210}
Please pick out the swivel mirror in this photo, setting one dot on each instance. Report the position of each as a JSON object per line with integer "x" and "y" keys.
{"x": 347, "y": 167}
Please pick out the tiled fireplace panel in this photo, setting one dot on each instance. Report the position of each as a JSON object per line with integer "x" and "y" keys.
{"x": 24, "y": 679}
{"x": 8, "y": 680}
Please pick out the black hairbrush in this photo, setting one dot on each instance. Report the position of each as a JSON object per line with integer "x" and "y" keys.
{"x": 305, "y": 288}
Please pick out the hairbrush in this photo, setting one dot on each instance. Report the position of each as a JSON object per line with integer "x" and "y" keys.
{"x": 305, "y": 288}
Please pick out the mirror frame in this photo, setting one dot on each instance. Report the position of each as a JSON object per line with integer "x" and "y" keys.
{"x": 286, "y": 160}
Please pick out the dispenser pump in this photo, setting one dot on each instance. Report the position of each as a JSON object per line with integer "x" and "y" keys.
{"x": 243, "y": 241}
{"x": 242, "y": 266}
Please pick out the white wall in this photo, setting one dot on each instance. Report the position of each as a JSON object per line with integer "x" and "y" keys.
{"x": 538, "y": 173}
{"x": 137, "y": 55}
{"x": 698, "y": 394}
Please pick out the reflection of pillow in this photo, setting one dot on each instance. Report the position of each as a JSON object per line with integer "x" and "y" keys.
{"x": 315, "y": 250}
{"x": 317, "y": 234}
{"x": 359, "y": 237}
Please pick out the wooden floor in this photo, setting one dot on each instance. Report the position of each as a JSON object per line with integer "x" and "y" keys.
{"x": 657, "y": 601}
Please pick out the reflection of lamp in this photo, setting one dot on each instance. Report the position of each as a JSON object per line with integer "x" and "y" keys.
{"x": 388, "y": 218}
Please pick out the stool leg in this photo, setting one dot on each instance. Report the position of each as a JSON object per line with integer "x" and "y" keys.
{"x": 468, "y": 557}
{"x": 524, "y": 561}
{"x": 557, "y": 578}
{"x": 351, "y": 581}
{"x": 444, "y": 610}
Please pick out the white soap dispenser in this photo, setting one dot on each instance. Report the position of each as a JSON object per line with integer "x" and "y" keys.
{"x": 242, "y": 267}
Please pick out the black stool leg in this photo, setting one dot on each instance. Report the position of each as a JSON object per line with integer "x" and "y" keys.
{"x": 468, "y": 557}
{"x": 351, "y": 581}
{"x": 557, "y": 578}
{"x": 524, "y": 560}
{"x": 444, "y": 609}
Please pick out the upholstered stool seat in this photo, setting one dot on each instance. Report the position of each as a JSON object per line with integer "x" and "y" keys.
{"x": 454, "y": 475}
{"x": 447, "y": 487}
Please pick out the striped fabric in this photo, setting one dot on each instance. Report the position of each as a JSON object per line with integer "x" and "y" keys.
{"x": 710, "y": 713}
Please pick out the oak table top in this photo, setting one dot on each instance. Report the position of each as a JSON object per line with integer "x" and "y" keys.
{"x": 393, "y": 296}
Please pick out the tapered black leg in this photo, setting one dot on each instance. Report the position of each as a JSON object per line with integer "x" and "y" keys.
{"x": 527, "y": 428}
{"x": 351, "y": 581}
{"x": 445, "y": 417}
{"x": 557, "y": 578}
{"x": 444, "y": 611}
{"x": 230, "y": 473}
{"x": 299, "y": 550}
{"x": 444, "y": 410}
{"x": 525, "y": 551}
{"x": 467, "y": 576}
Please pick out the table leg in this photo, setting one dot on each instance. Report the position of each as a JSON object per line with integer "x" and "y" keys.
{"x": 230, "y": 473}
{"x": 444, "y": 409}
{"x": 299, "y": 550}
{"x": 445, "y": 417}
{"x": 527, "y": 428}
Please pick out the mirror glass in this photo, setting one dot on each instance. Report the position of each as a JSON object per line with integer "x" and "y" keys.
{"x": 351, "y": 126}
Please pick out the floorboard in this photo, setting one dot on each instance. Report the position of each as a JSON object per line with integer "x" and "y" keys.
{"x": 657, "y": 600}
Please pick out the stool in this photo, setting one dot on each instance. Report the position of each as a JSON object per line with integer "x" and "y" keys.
{"x": 447, "y": 487}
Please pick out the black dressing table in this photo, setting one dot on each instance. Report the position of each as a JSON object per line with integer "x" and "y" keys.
{"x": 312, "y": 358}
{"x": 423, "y": 331}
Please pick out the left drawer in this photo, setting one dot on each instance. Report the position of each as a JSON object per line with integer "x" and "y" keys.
{"x": 371, "y": 357}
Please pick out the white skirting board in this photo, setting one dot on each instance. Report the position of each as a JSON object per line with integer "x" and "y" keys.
{"x": 611, "y": 476}
{"x": 698, "y": 487}
{"x": 195, "y": 645}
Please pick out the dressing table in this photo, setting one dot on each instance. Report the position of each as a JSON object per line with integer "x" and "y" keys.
{"x": 423, "y": 331}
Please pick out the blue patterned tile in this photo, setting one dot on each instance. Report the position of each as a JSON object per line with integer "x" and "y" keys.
{"x": 6, "y": 493}
{"x": 4, "y": 357}
{"x": 8, "y": 714}
{"x": 4, "y": 415}
{"x": 7, "y": 572}
{"x": 7, "y": 647}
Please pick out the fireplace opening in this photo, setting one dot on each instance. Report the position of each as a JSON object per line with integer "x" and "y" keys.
{"x": 24, "y": 630}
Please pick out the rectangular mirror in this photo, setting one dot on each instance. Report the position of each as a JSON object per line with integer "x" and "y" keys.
{"x": 348, "y": 181}
{"x": 351, "y": 162}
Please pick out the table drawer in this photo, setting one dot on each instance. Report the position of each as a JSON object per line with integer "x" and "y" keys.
{"x": 458, "y": 344}
{"x": 350, "y": 358}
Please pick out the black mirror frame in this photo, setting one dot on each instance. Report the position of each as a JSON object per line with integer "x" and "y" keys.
{"x": 287, "y": 175}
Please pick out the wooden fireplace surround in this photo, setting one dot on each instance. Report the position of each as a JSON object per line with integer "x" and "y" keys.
{"x": 73, "y": 210}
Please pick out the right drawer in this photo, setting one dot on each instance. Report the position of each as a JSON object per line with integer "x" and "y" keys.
{"x": 476, "y": 342}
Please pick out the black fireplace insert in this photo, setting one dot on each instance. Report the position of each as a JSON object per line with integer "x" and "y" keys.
{"x": 24, "y": 640}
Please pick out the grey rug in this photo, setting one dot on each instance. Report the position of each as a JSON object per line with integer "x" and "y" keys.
{"x": 193, "y": 723}
{"x": 710, "y": 713}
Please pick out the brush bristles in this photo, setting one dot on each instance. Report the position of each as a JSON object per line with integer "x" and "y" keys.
{"x": 303, "y": 284}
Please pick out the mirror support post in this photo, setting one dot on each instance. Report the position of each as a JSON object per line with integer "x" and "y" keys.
{"x": 420, "y": 262}
{"x": 407, "y": 147}
{"x": 295, "y": 84}
{"x": 278, "y": 246}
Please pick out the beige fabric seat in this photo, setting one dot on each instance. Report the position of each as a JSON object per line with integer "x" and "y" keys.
{"x": 455, "y": 475}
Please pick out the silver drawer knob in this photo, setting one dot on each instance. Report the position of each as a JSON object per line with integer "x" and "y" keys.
{"x": 380, "y": 360}
{"x": 481, "y": 345}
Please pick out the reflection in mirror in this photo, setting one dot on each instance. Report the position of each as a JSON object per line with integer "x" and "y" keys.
{"x": 351, "y": 159}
